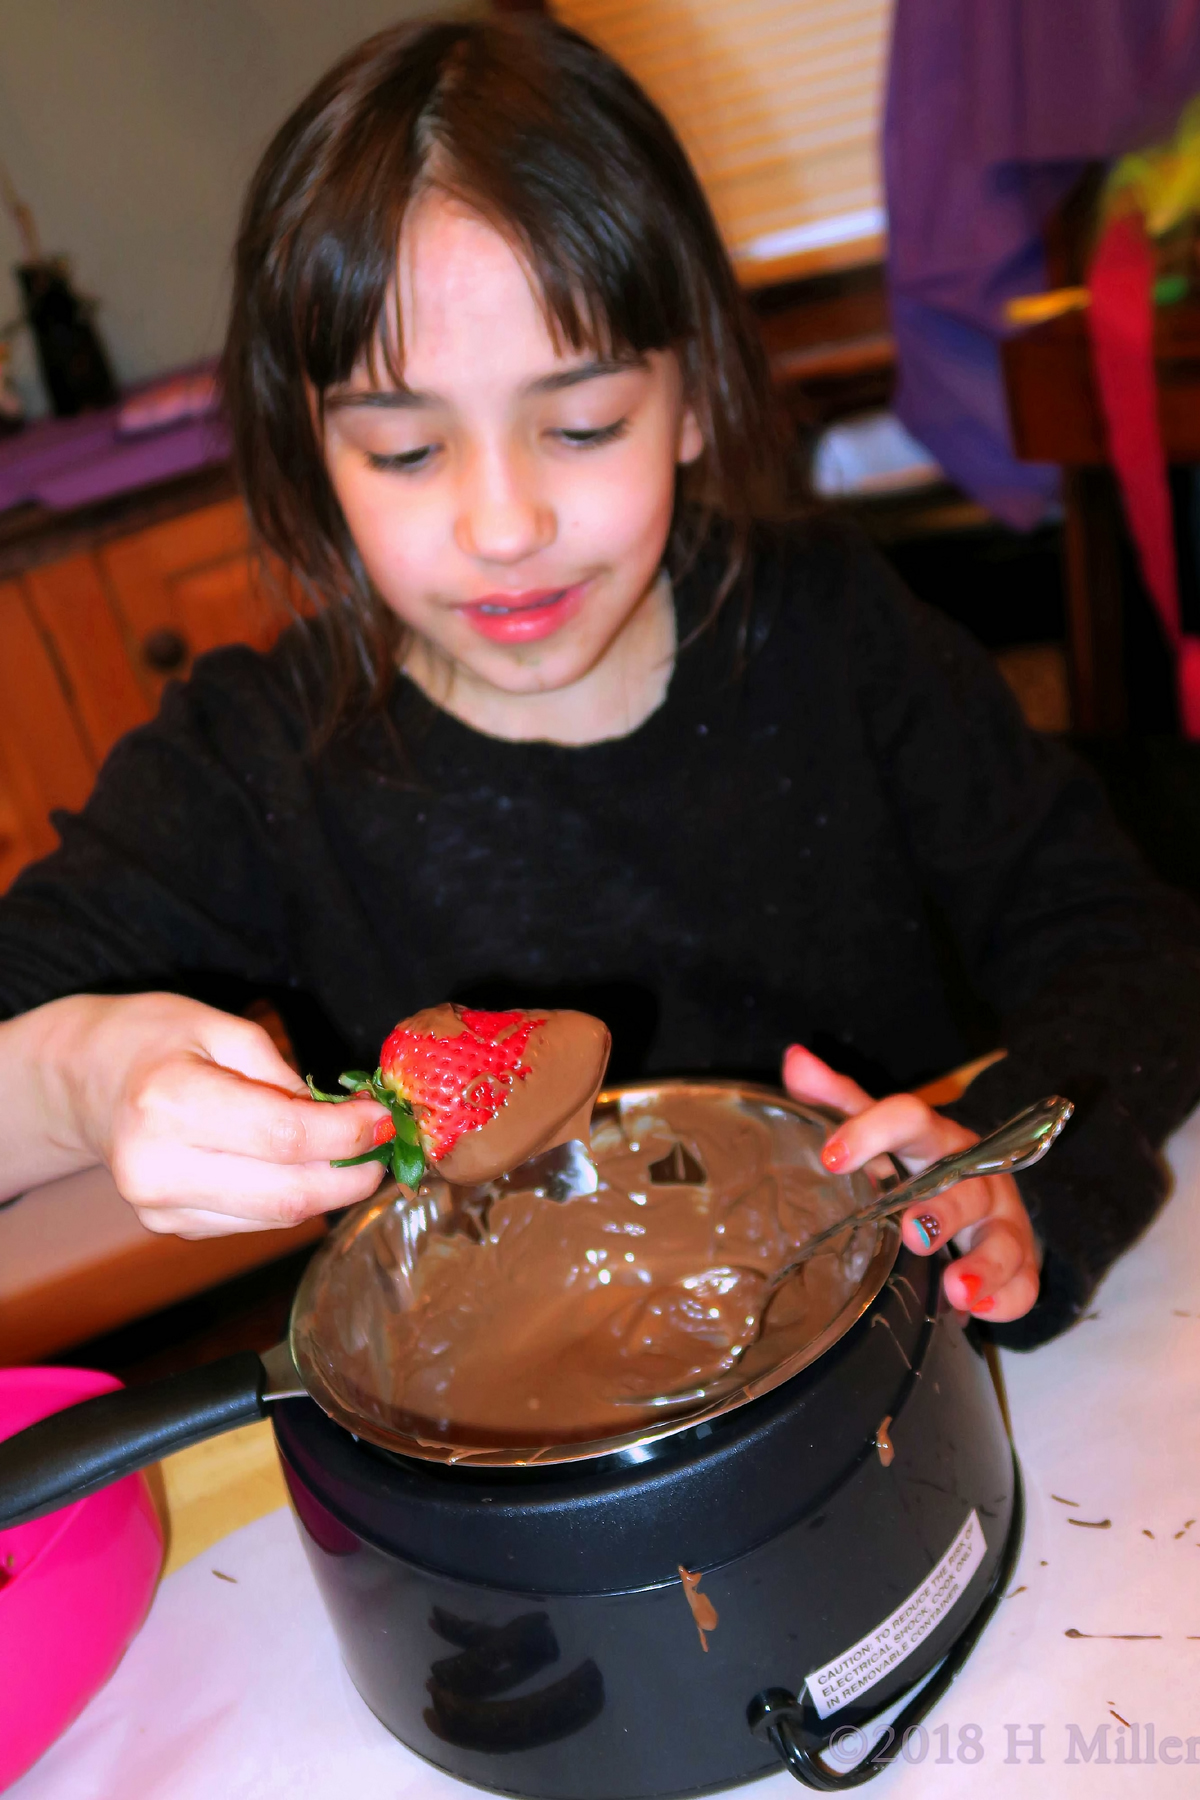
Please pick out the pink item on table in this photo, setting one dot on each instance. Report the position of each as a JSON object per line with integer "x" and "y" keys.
{"x": 172, "y": 401}
{"x": 161, "y": 432}
{"x": 74, "y": 1586}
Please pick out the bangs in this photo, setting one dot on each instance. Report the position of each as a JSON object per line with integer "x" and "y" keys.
{"x": 548, "y": 141}
{"x": 565, "y": 188}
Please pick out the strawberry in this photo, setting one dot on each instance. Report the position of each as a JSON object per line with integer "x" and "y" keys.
{"x": 437, "y": 1084}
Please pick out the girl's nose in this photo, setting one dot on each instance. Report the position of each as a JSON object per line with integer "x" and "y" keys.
{"x": 502, "y": 518}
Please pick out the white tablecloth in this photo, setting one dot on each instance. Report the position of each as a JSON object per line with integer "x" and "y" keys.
{"x": 234, "y": 1689}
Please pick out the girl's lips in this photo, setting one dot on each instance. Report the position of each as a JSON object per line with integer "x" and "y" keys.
{"x": 522, "y": 618}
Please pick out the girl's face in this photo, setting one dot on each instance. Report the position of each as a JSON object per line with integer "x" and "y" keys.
{"x": 511, "y": 501}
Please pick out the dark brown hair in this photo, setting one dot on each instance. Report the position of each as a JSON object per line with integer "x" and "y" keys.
{"x": 550, "y": 141}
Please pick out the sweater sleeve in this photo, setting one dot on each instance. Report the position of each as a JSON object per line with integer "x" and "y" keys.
{"x": 167, "y": 872}
{"x": 1091, "y": 966}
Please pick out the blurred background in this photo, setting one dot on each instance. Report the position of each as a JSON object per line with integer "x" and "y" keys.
{"x": 969, "y": 236}
{"x": 131, "y": 130}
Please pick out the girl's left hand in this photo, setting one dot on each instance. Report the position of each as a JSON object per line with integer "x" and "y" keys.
{"x": 998, "y": 1276}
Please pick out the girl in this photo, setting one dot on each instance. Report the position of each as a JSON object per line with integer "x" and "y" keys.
{"x": 568, "y": 721}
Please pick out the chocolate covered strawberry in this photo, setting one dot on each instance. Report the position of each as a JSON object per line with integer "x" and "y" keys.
{"x": 478, "y": 1092}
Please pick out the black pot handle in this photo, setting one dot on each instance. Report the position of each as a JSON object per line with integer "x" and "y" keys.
{"x": 78, "y": 1451}
{"x": 787, "y": 1723}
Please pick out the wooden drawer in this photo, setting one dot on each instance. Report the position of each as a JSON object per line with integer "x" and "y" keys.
{"x": 45, "y": 760}
{"x": 188, "y": 586}
{"x": 91, "y": 647}
{"x": 87, "y": 644}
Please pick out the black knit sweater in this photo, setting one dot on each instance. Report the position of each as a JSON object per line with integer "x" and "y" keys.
{"x": 844, "y": 837}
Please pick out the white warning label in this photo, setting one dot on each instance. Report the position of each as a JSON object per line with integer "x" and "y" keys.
{"x": 876, "y": 1655}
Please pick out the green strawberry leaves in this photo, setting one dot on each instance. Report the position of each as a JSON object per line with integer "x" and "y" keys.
{"x": 402, "y": 1154}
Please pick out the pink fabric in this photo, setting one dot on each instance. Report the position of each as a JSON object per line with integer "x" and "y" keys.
{"x": 994, "y": 107}
{"x": 1121, "y": 325}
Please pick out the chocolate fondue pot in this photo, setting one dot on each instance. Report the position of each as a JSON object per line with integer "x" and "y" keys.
{"x": 554, "y": 1589}
{"x": 524, "y": 1623}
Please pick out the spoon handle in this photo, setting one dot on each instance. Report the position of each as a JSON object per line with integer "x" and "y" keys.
{"x": 1019, "y": 1143}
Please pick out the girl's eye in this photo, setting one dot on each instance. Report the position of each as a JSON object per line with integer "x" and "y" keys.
{"x": 401, "y": 459}
{"x": 599, "y": 434}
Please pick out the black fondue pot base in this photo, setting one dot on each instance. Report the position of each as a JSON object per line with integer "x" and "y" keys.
{"x": 528, "y": 1631}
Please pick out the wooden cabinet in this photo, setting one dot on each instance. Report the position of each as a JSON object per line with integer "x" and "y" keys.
{"x": 95, "y": 616}
{"x": 185, "y": 587}
{"x": 45, "y": 759}
{"x": 88, "y": 640}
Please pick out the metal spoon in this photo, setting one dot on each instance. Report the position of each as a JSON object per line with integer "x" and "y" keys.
{"x": 1019, "y": 1143}
{"x": 565, "y": 1172}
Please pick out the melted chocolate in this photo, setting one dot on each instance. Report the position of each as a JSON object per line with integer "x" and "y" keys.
{"x": 550, "y": 1101}
{"x": 702, "y": 1609}
{"x": 511, "y": 1316}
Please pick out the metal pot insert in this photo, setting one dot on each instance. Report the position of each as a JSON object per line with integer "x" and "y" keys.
{"x": 738, "y": 1164}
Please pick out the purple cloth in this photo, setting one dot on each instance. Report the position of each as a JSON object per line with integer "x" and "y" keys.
{"x": 994, "y": 108}
{"x": 66, "y": 463}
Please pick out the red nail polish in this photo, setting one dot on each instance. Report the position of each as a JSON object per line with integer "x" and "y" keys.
{"x": 971, "y": 1285}
{"x": 984, "y": 1305}
{"x": 835, "y": 1154}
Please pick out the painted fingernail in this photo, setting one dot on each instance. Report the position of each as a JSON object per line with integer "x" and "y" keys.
{"x": 928, "y": 1228}
{"x": 984, "y": 1305}
{"x": 835, "y": 1154}
{"x": 971, "y": 1285}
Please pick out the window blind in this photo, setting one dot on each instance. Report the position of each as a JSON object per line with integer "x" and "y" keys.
{"x": 778, "y": 103}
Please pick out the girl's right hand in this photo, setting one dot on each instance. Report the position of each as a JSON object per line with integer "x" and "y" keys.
{"x": 205, "y": 1127}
